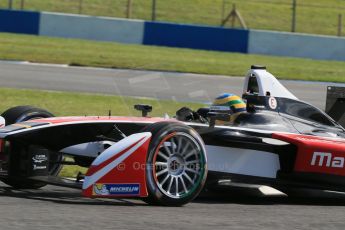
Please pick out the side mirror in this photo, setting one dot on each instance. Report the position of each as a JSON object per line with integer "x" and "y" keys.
{"x": 145, "y": 109}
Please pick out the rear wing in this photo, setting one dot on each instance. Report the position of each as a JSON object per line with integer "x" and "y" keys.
{"x": 335, "y": 103}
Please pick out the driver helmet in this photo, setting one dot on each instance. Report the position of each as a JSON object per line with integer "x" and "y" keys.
{"x": 228, "y": 103}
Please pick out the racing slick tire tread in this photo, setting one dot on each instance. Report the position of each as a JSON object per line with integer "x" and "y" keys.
{"x": 159, "y": 131}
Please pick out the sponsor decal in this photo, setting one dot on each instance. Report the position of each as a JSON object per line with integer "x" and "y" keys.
{"x": 327, "y": 160}
{"x": 36, "y": 167}
{"x": 101, "y": 189}
{"x": 39, "y": 158}
{"x": 22, "y": 125}
{"x": 317, "y": 154}
{"x": 39, "y": 162}
{"x": 272, "y": 102}
{"x": 2, "y": 122}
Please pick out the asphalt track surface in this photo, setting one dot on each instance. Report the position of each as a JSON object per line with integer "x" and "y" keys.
{"x": 138, "y": 83}
{"x": 60, "y": 208}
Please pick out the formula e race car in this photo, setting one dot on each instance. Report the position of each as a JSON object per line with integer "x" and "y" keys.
{"x": 277, "y": 141}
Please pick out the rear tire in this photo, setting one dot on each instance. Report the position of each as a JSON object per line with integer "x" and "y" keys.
{"x": 21, "y": 114}
{"x": 176, "y": 164}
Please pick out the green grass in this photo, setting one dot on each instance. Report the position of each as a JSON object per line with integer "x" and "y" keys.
{"x": 313, "y": 16}
{"x": 71, "y": 171}
{"x": 115, "y": 55}
{"x": 77, "y": 104}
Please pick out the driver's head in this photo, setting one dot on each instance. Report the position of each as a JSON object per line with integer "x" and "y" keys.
{"x": 229, "y": 103}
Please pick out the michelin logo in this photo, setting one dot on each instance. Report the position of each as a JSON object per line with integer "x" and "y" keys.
{"x": 116, "y": 189}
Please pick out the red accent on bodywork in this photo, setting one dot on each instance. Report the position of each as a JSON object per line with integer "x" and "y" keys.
{"x": 131, "y": 171}
{"x": 58, "y": 120}
{"x": 308, "y": 146}
{"x": 157, "y": 151}
{"x": 94, "y": 168}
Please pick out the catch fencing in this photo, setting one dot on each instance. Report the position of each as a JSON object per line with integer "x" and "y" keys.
{"x": 303, "y": 16}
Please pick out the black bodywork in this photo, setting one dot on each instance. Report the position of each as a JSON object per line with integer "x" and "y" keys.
{"x": 248, "y": 131}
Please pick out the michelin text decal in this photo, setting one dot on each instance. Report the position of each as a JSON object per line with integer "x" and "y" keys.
{"x": 116, "y": 189}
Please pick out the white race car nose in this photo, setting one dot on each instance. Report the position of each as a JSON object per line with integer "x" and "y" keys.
{"x": 2, "y": 122}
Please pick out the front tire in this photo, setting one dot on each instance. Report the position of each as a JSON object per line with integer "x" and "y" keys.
{"x": 176, "y": 164}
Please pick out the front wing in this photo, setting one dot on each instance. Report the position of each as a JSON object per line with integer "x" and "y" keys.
{"x": 119, "y": 170}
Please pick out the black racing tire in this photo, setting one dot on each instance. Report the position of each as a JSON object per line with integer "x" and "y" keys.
{"x": 179, "y": 176}
{"x": 24, "y": 113}
{"x": 20, "y": 114}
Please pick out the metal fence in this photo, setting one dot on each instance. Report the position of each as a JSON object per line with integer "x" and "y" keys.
{"x": 307, "y": 16}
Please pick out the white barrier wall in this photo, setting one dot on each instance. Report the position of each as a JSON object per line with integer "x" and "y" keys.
{"x": 179, "y": 35}
{"x": 296, "y": 45}
{"x": 91, "y": 27}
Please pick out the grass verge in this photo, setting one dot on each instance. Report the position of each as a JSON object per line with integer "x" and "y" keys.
{"x": 115, "y": 55}
{"x": 80, "y": 104}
